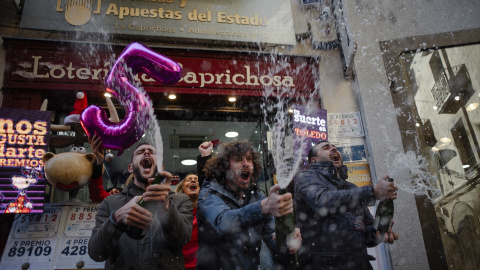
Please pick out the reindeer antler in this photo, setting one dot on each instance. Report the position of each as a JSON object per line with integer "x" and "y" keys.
{"x": 113, "y": 112}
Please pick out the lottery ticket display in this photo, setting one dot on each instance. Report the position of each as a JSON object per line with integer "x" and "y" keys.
{"x": 56, "y": 239}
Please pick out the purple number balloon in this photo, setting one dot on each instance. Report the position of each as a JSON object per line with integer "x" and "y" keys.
{"x": 134, "y": 59}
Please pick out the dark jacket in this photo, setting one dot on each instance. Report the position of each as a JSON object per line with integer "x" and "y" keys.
{"x": 201, "y": 162}
{"x": 334, "y": 220}
{"x": 230, "y": 233}
{"x": 161, "y": 248}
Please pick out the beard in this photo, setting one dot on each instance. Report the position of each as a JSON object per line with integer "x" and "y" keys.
{"x": 140, "y": 178}
{"x": 232, "y": 179}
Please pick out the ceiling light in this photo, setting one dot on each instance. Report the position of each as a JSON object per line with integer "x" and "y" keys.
{"x": 188, "y": 162}
{"x": 435, "y": 149}
{"x": 466, "y": 166}
{"x": 107, "y": 95}
{"x": 435, "y": 108}
{"x": 445, "y": 140}
{"x": 290, "y": 110}
{"x": 472, "y": 107}
{"x": 457, "y": 98}
{"x": 232, "y": 99}
{"x": 417, "y": 124}
{"x": 172, "y": 96}
{"x": 231, "y": 134}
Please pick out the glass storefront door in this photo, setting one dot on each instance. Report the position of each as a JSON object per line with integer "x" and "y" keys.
{"x": 443, "y": 90}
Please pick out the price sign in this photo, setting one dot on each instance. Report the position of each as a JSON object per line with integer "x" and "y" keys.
{"x": 345, "y": 125}
{"x": 32, "y": 240}
{"x": 73, "y": 254}
{"x": 56, "y": 239}
{"x": 36, "y": 253}
{"x": 37, "y": 225}
{"x": 80, "y": 221}
{"x": 359, "y": 174}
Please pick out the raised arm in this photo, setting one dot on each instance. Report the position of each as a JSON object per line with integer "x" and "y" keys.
{"x": 214, "y": 211}
{"x": 205, "y": 150}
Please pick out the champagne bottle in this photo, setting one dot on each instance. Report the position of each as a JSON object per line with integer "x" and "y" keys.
{"x": 285, "y": 232}
{"x": 384, "y": 215}
{"x": 135, "y": 232}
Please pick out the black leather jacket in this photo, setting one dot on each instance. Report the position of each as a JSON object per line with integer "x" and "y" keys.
{"x": 334, "y": 220}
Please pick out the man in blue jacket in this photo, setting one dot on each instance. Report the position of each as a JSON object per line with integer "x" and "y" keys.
{"x": 233, "y": 215}
{"x": 332, "y": 214}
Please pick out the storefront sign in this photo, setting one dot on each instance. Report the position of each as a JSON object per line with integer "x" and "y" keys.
{"x": 83, "y": 66}
{"x": 32, "y": 240}
{"x": 310, "y": 127}
{"x": 359, "y": 174}
{"x": 352, "y": 149}
{"x": 310, "y": 124}
{"x": 268, "y": 21}
{"x": 23, "y": 142}
{"x": 345, "y": 125}
{"x": 80, "y": 221}
{"x": 56, "y": 239}
{"x": 353, "y": 153}
{"x": 73, "y": 246}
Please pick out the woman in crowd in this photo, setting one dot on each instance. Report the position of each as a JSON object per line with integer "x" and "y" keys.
{"x": 190, "y": 186}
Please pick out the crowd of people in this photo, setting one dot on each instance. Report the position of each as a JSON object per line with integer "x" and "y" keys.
{"x": 218, "y": 218}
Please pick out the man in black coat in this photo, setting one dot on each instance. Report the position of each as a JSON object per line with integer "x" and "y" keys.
{"x": 169, "y": 227}
{"x": 332, "y": 214}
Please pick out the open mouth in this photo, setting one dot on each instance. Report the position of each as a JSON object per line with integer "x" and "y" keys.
{"x": 146, "y": 163}
{"x": 335, "y": 157}
{"x": 67, "y": 187}
{"x": 193, "y": 187}
{"x": 245, "y": 175}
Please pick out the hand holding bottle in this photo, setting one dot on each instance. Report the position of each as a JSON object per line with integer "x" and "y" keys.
{"x": 276, "y": 204}
{"x": 159, "y": 192}
{"x": 389, "y": 237}
{"x": 385, "y": 190}
{"x": 154, "y": 201}
{"x": 294, "y": 241}
{"x": 132, "y": 214}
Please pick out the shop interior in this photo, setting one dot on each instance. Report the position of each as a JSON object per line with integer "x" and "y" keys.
{"x": 185, "y": 121}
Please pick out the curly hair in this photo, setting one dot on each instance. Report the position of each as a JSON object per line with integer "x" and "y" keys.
{"x": 217, "y": 166}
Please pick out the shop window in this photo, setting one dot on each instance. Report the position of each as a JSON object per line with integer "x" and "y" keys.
{"x": 445, "y": 104}
{"x": 462, "y": 142}
{"x": 441, "y": 98}
{"x": 452, "y": 87}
